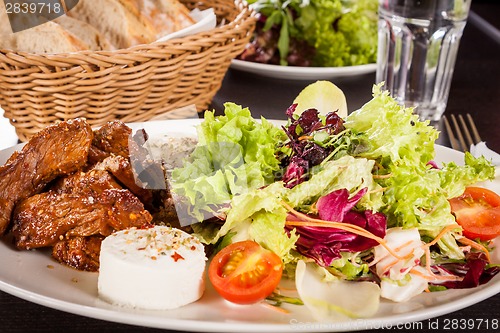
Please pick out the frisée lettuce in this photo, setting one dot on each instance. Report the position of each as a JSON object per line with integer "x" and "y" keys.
{"x": 416, "y": 194}
{"x": 235, "y": 153}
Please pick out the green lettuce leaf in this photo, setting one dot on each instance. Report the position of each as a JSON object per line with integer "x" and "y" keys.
{"x": 346, "y": 172}
{"x": 415, "y": 194}
{"x": 267, "y": 229}
{"x": 455, "y": 178}
{"x": 344, "y": 33}
{"x": 235, "y": 153}
{"x": 347, "y": 269}
{"x": 258, "y": 215}
{"x": 392, "y": 132}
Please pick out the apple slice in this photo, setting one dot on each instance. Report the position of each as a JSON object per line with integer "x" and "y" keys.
{"x": 323, "y": 96}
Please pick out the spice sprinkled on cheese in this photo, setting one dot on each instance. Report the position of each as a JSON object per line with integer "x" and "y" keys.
{"x": 154, "y": 268}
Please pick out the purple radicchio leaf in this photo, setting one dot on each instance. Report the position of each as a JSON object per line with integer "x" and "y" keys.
{"x": 473, "y": 271}
{"x": 314, "y": 154}
{"x": 324, "y": 244}
{"x": 334, "y": 123}
{"x": 433, "y": 164}
{"x": 295, "y": 171}
{"x": 333, "y": 206}
{"x": 309, "y": 120}
{"x": 291, "y": 109}
{"x": 305, "y": 152}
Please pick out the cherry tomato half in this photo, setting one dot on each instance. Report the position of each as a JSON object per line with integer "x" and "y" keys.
{"x": 477, "y": 211}
{"x": 244, "y": 272}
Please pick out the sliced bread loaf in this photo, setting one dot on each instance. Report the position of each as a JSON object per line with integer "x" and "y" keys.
{"x": 49, "y": 37}
{"x": 87, "y": 33}
{"x": 166, "y": 16}
{"x": 119, "y": 24}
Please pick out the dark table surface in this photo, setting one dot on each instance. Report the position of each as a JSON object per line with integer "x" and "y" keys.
{"x": 475, "y": 89}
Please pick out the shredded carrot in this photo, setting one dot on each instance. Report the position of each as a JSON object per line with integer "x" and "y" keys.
{"x": 435, "y": 277}
{"x": 407, "y": 256}
{"x": 305, "y": 137}
{"x": 403, "y": 245}
{"x": 345, "y": 227}
{"x": 426, "y": 247}
{"x": 474, "y": 245}
{"x": 442, "y": 233}
{"x": 389, "y": 265}
{"x": 312, "y": 222}
{"x": 428, "y": 268}
{"x": 422, "y": 275}
{"x": 332, "y": 224}
{"x": 379, "y": 166}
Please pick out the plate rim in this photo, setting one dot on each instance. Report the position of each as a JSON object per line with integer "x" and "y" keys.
{"x": 301, "y": 73}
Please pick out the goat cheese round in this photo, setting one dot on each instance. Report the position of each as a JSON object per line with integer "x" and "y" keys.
{"x": 156, "y": 268}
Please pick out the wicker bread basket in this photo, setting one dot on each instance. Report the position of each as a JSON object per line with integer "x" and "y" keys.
{"x": 135, "y": 84}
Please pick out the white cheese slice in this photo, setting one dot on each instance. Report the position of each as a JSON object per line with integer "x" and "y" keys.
{"x": 156, "y": 268}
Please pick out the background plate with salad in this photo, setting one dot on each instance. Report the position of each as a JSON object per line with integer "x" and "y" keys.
{"x": 331, "y": 38}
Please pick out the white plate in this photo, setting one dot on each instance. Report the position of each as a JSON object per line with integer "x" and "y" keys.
{"x": 301, "y": 73}
{"x": 36, "y": 277}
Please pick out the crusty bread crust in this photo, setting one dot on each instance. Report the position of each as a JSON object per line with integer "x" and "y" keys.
{"x": 6, "y": 36}
{"x": 85, "y": 32}
{"x": 167, "y": 16}
{"x": 49, "y": 37}
{"x": 99, "y": 25}
{"x": 118, "y": 24}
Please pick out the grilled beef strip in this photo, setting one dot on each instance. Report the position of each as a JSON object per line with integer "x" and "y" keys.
{"x": 79, "y": 252}
{"x": 87, "y": 201}
{"x": 111, "y": 138}
{"x": 121, "y": 169}
{"x": 85, "y": 204}
{"x": 117, "y": 150}
{"x": 57, "y": 150}
{"x": 91, "y": 183}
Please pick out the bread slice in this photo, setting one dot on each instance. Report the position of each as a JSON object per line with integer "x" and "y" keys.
{"x": 6, "y": 36}
{"x": 49, "y": 37}
{"x": 84, "y": 31}
{"x": 99, "y": 25}
{"x": 119, "y": 24}
{"x": 166, "y": 16}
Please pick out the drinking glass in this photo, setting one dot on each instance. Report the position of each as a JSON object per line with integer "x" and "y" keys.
{"x": 418, "y": 42}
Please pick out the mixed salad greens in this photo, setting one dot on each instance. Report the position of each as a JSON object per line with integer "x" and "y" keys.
{"x": 322, "y": 33}
{"x": 355, "y": 203}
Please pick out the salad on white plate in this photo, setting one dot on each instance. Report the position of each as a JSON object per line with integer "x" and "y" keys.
{"x": 351, "y": 208}
{"x": 313, "y": 33}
